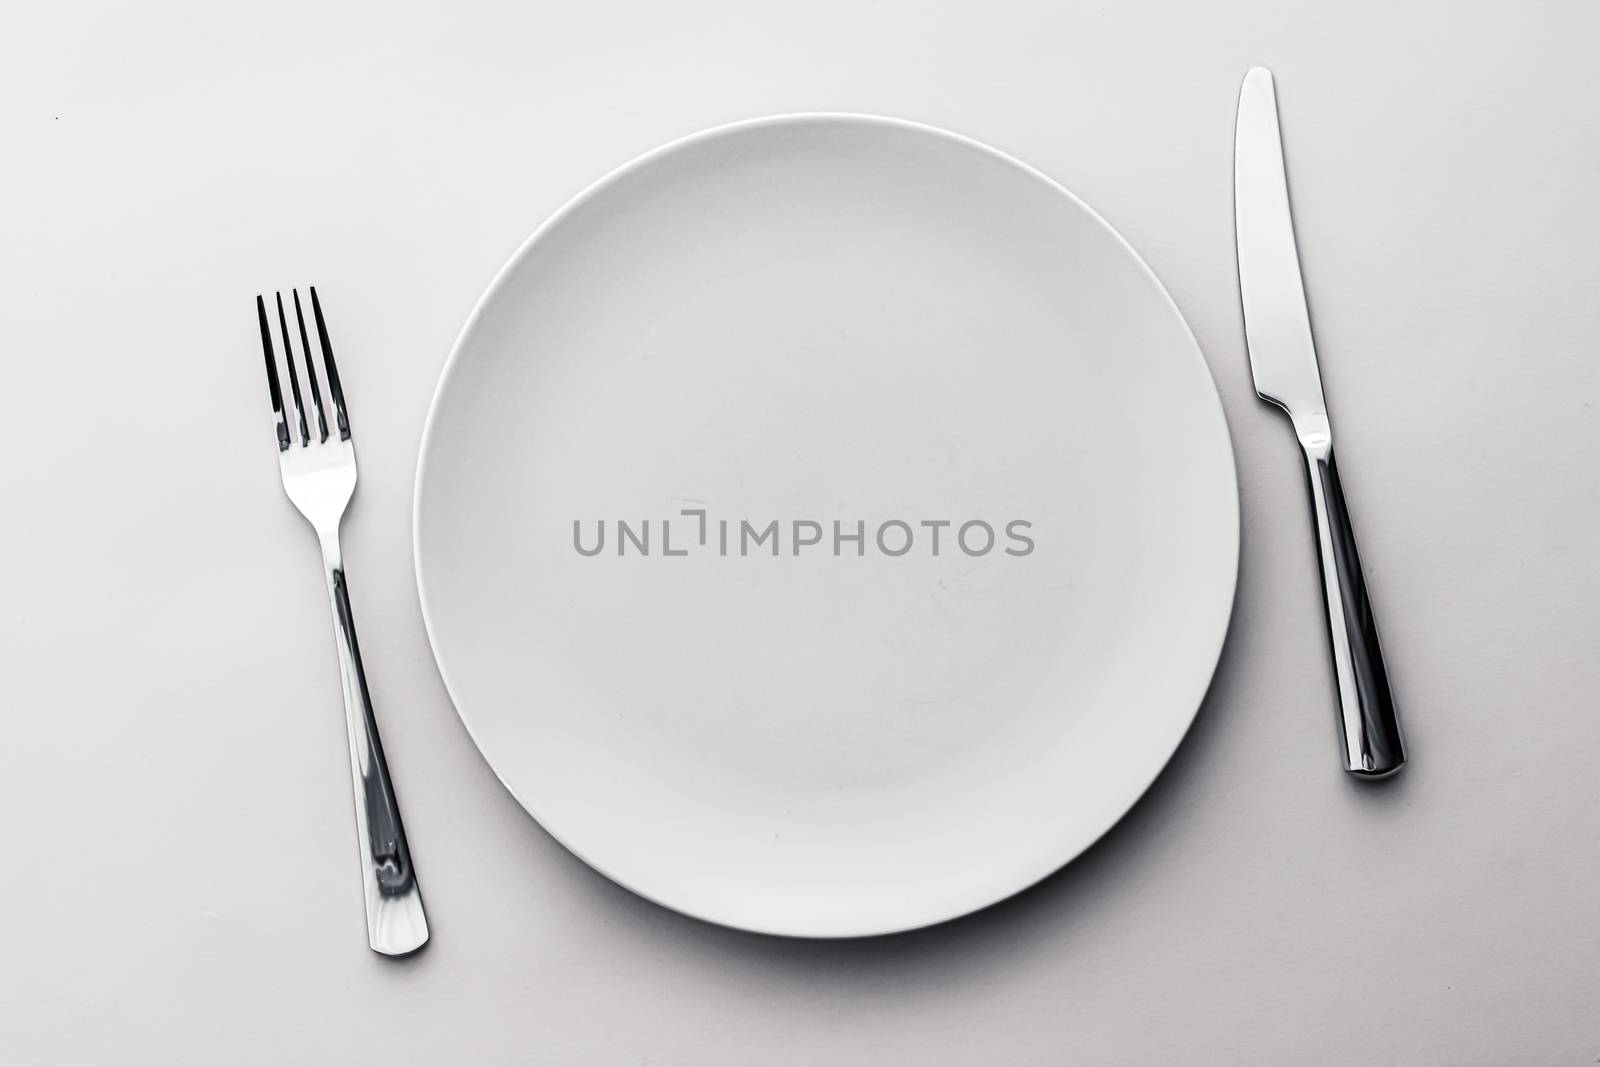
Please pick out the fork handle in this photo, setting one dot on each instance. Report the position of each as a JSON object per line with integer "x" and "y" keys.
{"x": 396, "y": 924}
{"x": 1371, "y": 732}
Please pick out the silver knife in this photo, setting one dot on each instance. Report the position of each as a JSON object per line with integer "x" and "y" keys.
{"x": 1283, "y": 361}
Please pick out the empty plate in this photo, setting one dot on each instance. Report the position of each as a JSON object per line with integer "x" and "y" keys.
{"x": 826, "y": 525}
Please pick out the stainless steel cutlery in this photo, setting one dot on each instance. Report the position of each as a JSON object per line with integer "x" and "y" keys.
{"x": 1283, "y": 361}
{"x": 317, "y": 459}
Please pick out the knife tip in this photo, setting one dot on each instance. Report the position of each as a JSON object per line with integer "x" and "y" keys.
{"x": 1258, "y": 74}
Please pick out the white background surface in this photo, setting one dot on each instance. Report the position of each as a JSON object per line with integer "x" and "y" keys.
{"x": 179, "y": 877}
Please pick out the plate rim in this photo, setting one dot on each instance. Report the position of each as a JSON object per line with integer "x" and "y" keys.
{"x": 576, "y": 203}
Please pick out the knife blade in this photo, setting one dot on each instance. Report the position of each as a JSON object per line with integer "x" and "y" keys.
{"x": 1283, "y": 363}
{"x": 1283, "y": 358}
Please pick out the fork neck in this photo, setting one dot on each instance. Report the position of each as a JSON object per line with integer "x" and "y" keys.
{"x": 332, "y": 558}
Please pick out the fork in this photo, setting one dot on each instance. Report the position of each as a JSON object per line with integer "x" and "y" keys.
{"x": 319, "y": 475}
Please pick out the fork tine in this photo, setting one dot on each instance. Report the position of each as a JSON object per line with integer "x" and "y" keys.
{"x": 272, "y": 376}
{"x": 311, "y": 369}
{"x": 335, "y": 390}
{"x": 294, "y": 379}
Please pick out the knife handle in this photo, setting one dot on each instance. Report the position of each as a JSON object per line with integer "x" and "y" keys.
{"x": 1372, "y": 745}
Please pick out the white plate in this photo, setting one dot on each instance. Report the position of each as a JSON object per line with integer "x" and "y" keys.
{"x": 819, "y": 318}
